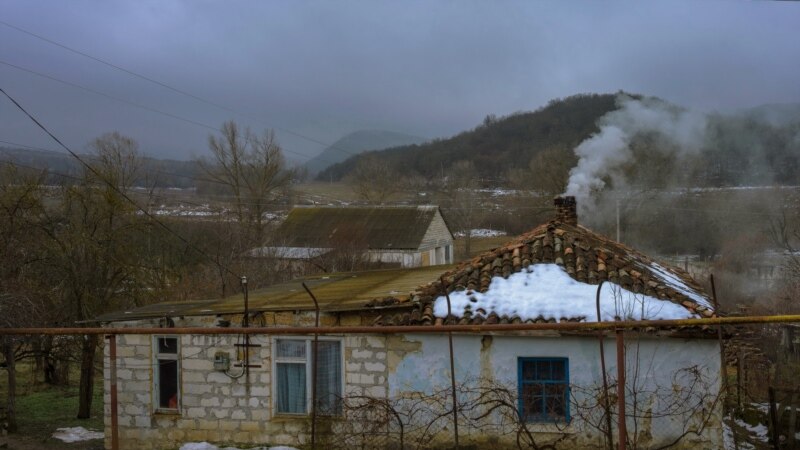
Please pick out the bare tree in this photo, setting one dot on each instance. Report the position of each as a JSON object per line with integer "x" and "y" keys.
{"x": 21, "y": 210}
{"x": 96, "y": 262}
{"x": 251, "y": 167}
{"x": 462, "y": 200}
{"x": 374, "y": 181}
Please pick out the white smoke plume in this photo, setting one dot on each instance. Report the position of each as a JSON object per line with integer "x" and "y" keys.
{"x": 602, "y": 154}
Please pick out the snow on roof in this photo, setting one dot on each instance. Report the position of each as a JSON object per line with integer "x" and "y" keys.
{"x": 676, "y": 283}
{"x": 546, "y": 291}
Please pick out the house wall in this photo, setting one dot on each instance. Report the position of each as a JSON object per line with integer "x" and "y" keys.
{"x": 438, "y": 236}
{"x": 493, "y": 360}
{"x": 213, "y": 406}
{"x": 218, "y": 409}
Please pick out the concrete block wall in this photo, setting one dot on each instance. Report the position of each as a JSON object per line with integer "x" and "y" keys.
{"x": 215, "y": 407}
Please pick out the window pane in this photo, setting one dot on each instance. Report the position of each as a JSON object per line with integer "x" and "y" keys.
{"x": 168, "y": 384}
{"x": 558, "y": 371}
{"x": 532, "y": 404}
{"x": 556, "y": 401}
{"x": 528, "y": 370}
{"x": 291, "y": 348}
{"x": 290, "y": 387}
{"x": 543, "y": 370}
{"x": 168, "y": 345}
{"x": 329, "y": 377}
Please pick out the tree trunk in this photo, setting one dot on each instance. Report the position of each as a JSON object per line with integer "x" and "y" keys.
{"x": 11, "y": 369}
{"x": 86, "y": 391}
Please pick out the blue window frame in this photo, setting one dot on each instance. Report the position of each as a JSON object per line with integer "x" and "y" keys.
{"x": 543, "y": 389}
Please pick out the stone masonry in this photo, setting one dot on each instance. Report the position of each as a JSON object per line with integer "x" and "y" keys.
{"x": 213, "y": 406}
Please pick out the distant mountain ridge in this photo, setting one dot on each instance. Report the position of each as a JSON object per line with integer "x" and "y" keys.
{"x": 497, "y": 144}
{"x": 358, "y": 142}
{"x": 752, "y": 147}
{"x": 158, "y": 172}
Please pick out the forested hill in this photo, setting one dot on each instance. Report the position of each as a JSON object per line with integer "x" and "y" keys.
{"x": 497, "y": 145}
{"x": 358, "y": 142}
{"x": 61, "y": 167}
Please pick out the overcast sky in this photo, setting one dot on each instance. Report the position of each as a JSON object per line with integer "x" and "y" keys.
{"x": 322, "y": 69}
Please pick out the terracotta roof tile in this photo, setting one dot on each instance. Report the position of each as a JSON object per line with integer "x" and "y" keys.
{"x": 586, "y": 256}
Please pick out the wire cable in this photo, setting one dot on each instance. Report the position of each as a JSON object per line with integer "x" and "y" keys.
{"x": 134, "y": 104}
{"x": 117, "y": 189}
{"x": 176, "y": 90}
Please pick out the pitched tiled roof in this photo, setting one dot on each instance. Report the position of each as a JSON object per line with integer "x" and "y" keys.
{"x": 378, "y": 227}
{"x": 586, "y": 256}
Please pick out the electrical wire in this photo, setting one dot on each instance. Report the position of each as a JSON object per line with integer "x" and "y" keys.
{"x": 176, "y": 90}
{"x": 117, "y": 189}
{"x": 134, "y": 104}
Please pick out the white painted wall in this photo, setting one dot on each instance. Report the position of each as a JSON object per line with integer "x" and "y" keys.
{"x": 659, "y": 359}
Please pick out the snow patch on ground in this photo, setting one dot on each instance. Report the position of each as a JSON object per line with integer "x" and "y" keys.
{"x": 207, "y": 446}
{"x": 76, "y": 434}
{"x": 480, "y": 233}
{"x": 547, "y": 291}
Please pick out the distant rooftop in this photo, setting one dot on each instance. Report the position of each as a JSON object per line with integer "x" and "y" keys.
{"x": 376, "y": 227}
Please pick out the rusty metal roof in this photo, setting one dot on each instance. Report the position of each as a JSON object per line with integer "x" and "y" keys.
{"x": 335, "y": 292}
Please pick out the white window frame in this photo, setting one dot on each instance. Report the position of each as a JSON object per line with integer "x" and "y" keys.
{"x": 156, "y": 382}
{"x": 309, "y": 340}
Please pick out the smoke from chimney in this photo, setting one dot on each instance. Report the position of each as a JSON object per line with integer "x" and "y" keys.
{"x": 601, "y": 156}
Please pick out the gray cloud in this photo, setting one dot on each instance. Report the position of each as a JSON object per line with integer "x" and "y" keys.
{"x": 431, "y": 69}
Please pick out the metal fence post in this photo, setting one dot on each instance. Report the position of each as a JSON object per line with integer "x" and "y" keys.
{"x": 621, "y": 425}
{"x": 112, "y": 355}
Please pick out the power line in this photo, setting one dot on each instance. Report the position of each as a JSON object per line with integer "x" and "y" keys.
{"x": 115, "y": 188}
{"x": 174, "y": 89}
{"x": 128, "y": 102}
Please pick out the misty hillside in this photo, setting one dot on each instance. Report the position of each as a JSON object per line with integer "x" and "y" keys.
{"x": 757, "y": 146}
{"x": 359, "y": 142}
{"x": 497, "y": 145}
{"x": 154, "y": 172}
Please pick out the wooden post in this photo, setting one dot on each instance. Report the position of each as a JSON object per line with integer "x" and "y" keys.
{"x": 621, "y": 425}
{"x": 112, "y": 356}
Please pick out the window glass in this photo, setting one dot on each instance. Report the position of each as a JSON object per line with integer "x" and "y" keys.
{"x": 168, "y": 384}
{"x": 292, "y": 374}
{"x": 291, "y": 348}
{"x": 166, "y": 372}
{"x": 291, "y": 388}
{"x": 544, "y": 389}
{"x": 329, "y": 377}
{"x": 168, "y": 345}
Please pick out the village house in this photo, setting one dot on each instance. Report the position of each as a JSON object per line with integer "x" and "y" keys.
{"x": 379, "y": 389}
{"x": 401, "y": 236}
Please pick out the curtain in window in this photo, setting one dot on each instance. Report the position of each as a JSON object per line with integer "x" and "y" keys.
{"x": 291, "y": 388}
{"x": 329, "y": 381}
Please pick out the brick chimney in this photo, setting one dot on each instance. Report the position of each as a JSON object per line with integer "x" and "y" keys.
{"x": 566, "y": 209}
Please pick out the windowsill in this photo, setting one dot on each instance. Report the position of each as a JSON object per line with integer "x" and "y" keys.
{"x": 167, "y": 412}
